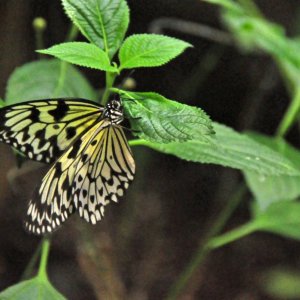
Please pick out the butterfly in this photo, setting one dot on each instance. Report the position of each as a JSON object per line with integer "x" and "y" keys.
{"x": 92, "y": 163}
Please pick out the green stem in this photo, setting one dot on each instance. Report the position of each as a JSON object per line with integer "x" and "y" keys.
{"x": 137, "y": 142}
{"x": 227, "y": 212}
{"x": 72, "y": 34}
{"x": 44, "y": 259}
{"x": 203, "y": 249}
{"x": 290, "y": 115}
{"x": 39, "y": 42}
{"x": 231, "y": 236}
{"x": 39, "y": 26}
{"x": 61, "y": 79}
{"x": 29, "y": 268}
{"x": 110, "y": 79}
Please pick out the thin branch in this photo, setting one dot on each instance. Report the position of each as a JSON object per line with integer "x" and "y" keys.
{"x": 196, "y": 29}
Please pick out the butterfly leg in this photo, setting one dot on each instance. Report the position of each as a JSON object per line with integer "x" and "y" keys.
{"x": 136, "y": 118}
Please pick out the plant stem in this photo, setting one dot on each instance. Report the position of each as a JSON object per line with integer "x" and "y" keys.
{"x": 203, "y": 249}
{"x": 61, "y": 78}
{"x": 44, "y": 259}
{"x": 29, "y": 268}
{"x": 136, "y": 142}
{"x": 232, "y": 235}
{"x": 227, "y": 212}
{"x": 39, "y": 26}
{"x": 72, "y": 34}
{"x": 110, "y": 79}
{"x": 290, "y": 115}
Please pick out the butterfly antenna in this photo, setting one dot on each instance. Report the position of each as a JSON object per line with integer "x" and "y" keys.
{"x": 129, "y": 129}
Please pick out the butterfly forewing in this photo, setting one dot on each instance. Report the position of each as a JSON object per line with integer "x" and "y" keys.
{"x": 43, "y": 129}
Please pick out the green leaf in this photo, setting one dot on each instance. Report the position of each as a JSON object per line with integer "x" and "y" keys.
{"x": 47, "y": 79}
{"x": 281, "y": 218}
{"x": 103, "y": 23}
{"x": 269, "y": 189}
{"x": 281, "y": 283}
{"x": 158, "y": 119}
{"x": 230, "y": 149}
{"x": 82, "y": 54}
{"x": 149, "y": 50}
{"x": 2, "y": 103}
{"x": 253, "y": 32}
{"x": 35, "y": 288}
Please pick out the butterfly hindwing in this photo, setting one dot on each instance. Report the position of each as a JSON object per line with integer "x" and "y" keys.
{"x": 43, "y": 129}
{"x": 103, "y": 173}
{"x": 52, "y": 202}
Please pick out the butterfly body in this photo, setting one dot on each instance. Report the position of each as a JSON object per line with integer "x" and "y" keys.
{"x": 92, "y": 161}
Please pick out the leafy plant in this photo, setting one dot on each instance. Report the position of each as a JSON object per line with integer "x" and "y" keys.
{"x": 270, "y": 165}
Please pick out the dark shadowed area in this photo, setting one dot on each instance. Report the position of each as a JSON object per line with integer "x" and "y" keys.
{"x": 147, "y": 239}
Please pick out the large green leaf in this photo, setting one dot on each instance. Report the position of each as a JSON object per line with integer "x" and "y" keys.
{"x": 269, "y": 189}
{"x": 161, "y": 120}
{"x": 230, "y": 149}
{"x": 149, "y": 50}
{"x": 82, "y": 54}
{"x": 33, "y": 289}
{"x": 47, "y": 79}
{"x": 102, "y": 22}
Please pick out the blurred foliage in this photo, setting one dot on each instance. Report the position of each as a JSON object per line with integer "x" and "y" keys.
{"x": 46, "y": 79}
{"x": 281, "y": 283}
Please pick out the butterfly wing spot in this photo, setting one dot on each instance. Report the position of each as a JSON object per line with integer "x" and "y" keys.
{"x": 84, "y": 193}
{"x": 93, "y": 219}
{"x": 120, "y": 192}
{"x": 86, "y": 214}
{"x": 84, "y": 158}
{"x": 114, "y": 198}
{"x": 60, "y": 111}
{"x": 71, "y": 132}
{"x": 94, "y": 142}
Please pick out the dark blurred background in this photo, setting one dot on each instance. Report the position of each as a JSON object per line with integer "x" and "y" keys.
{"x": 147, "y": 239}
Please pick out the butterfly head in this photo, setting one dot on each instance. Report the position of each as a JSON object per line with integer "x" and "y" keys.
{"x": 114, "y": 111}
